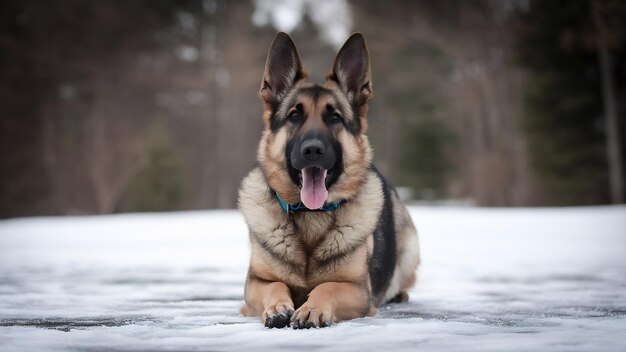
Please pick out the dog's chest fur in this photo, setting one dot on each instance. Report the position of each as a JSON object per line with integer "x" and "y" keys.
{"x": 313, "y": 247}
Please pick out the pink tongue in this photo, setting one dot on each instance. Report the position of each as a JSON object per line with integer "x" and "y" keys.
{"x": 313, "y": 193}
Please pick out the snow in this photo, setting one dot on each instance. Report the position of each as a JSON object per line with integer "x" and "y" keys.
{"x": 332, "y": 18}
{"x": 490, "y": 280}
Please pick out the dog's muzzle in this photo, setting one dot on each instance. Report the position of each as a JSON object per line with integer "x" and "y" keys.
{"x": 313, "y": 157}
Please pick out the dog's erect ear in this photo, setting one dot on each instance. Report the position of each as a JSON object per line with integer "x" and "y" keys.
{"x": 351, "y": 70}
{"x": 283, "y": 69}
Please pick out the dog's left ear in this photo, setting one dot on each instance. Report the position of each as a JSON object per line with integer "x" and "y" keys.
{"x": 283, "y": 69}
{"x": 351, "y": 70}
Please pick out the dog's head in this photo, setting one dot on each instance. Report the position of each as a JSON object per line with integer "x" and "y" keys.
{"x": 314, "y": 147}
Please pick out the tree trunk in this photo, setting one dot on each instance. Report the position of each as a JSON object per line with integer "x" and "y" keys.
{"x": 610, "y": 110}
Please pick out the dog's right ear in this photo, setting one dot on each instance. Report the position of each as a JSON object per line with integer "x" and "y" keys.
{"x": 283, "y": 69}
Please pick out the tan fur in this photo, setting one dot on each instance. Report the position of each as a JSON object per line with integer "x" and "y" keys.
{"x": 331, "y": 302}
{"x": 357, "y": 157}
{"x": 362, "y": 114}
{"x": 306, "y": 240}
{"x": 297, "y": 249}
{"x": 271, "y": 155}
{"x": 357, "y": 154}
{"x": 317, "y": 262}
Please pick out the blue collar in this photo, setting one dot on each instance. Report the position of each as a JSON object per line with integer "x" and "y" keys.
{"x": 298, "y": 207}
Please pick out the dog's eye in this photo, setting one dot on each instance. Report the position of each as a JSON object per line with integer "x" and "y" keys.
{"x": 294, "y": 115}
{"x": 336, "y": 117}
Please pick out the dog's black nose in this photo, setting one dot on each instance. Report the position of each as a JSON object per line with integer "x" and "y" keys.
{"x": 312, "y": 149}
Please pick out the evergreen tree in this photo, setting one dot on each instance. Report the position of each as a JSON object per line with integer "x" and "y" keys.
{"x": 564, "y": 111}
{"x": 159, "y": 185}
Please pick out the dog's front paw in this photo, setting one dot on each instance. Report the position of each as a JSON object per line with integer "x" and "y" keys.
{"x": 307, "y": 317}
{"x": 278, "y": 315}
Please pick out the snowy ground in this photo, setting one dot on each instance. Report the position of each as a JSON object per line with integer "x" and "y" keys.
{"x": 491, "y": 280}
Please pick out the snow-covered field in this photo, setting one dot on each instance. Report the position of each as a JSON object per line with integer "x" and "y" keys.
{"x": 490, "y": 280}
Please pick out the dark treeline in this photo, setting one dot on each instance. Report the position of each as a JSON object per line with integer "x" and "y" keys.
{"x": 113, "y": 106}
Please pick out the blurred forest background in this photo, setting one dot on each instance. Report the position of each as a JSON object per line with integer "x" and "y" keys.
{"x": 150, "y": 105}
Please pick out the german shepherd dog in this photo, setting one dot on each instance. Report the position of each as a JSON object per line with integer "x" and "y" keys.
{"x": 330, "y": 238}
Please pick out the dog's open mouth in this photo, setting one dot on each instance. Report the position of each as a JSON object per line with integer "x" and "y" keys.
{"x": 313, "y": 193}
